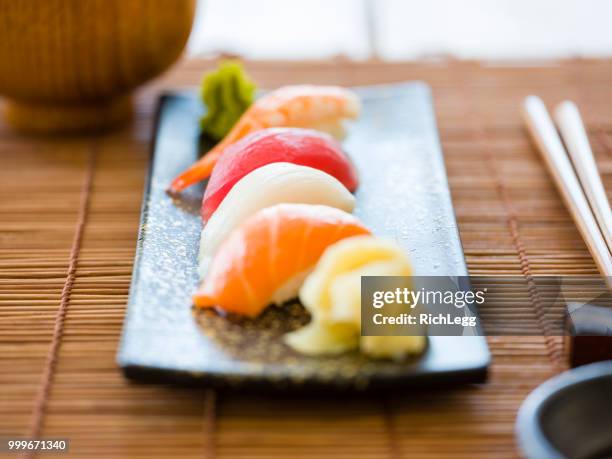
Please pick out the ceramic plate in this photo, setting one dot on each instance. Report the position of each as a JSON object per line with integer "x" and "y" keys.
{"x": 403, "y": 195}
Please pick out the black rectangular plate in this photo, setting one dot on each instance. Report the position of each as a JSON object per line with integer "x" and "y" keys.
{"x": 403, "y": 195}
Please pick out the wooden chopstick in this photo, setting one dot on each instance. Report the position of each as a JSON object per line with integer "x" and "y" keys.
{"x": 549, "y": 143}
{"x": 576, "y": 140}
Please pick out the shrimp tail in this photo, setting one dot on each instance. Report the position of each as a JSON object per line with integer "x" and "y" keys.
{"x": 199, "y": 171}
{"x": 202, "y": 168}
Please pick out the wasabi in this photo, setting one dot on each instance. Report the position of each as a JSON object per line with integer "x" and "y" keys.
{"x": 227, "y": 92}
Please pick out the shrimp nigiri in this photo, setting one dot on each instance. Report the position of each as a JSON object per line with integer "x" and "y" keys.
{"x": 266, "y": 259}
{"x": 266, "y": 186}
{"x": 291, "y": 145}
{"x": 318, "y": 107}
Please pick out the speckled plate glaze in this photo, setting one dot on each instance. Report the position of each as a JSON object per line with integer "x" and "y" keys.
{"x": 403, "y": 195}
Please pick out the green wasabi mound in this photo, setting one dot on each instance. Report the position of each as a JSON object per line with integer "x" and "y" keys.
{"x": 227, "y": 92}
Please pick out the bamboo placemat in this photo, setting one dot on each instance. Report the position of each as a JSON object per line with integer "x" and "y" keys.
{"x": 69, "y": 212}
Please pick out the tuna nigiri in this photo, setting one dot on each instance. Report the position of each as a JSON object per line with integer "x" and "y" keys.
{"x": 318, "y": 107}
{"x": 266, "y": 258}
{"x": 298, "y": 146}
{"x": 268, "y": 185}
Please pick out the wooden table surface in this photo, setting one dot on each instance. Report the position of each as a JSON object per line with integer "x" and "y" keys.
{"x": 69, "y": 212}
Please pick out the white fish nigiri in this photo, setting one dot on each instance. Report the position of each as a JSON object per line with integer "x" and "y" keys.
{"x": 272, "y": 184}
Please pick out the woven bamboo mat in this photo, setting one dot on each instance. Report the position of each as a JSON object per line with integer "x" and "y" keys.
{"x": 69, "y": 212}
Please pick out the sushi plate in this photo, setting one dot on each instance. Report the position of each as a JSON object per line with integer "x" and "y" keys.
{"x": 403, "y": 195}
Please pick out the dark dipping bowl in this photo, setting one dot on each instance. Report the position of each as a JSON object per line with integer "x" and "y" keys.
{"x": 569, "y": 416}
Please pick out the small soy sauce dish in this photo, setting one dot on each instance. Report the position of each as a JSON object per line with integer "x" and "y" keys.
{"x": 569, "y": 416}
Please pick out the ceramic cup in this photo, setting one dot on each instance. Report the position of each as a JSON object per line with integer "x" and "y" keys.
{"x": 70, "y": 65}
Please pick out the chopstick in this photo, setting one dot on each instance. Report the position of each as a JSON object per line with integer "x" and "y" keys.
{"x": 549, "y": 143}
{"x": 576, "y": 140}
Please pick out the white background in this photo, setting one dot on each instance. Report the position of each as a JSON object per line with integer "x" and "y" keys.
{"x": 403, "y": 29}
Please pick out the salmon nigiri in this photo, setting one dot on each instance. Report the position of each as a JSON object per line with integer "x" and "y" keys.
{"x": 303, "y": 147}
{"x": 266, "y": 259}
{"x": 318, "y": 107}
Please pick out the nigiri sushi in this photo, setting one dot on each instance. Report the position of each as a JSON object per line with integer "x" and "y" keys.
{"x": 268, "y": 185}
{"x": 318, "y": 107}
{"x": 332, "y": 294}
{"x": 298, "y": 146}
{"x": 266, "y": 258}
